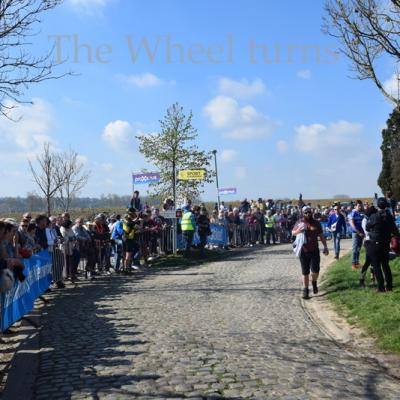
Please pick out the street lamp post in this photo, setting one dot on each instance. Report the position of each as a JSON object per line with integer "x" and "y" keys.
{"x": 216, "y": 175}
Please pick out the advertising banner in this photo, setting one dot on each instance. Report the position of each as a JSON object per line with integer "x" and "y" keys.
{"x": 227, "y": 191}
{"x": 144, "y": 178}
{"x": 192, "y": 175}
{"x": 19, "y": 300}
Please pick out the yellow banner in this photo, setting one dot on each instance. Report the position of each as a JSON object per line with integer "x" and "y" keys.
{"x": 192, "y": 175}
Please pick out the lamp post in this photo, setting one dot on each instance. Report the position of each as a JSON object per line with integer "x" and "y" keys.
{"x": 216, "y": 175}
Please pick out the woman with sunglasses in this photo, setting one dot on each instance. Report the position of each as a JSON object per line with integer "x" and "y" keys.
{"x": 309, "y": 254}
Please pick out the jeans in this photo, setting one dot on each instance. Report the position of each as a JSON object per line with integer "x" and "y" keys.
{"x": 357, "y": 241}
{"x": 336, "y": 236}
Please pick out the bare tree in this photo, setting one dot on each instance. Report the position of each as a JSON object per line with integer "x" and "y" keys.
{"x": 19, "y": 68}
{"x": 75, "y": 178}
{"x": 46, "y": 175}
{"x": 369, "y": 31}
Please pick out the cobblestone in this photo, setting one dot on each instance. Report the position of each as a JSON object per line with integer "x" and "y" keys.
{"x": 231, "y": 329}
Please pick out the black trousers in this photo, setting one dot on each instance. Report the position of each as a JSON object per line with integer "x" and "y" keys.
{"x": 379, "y": 254}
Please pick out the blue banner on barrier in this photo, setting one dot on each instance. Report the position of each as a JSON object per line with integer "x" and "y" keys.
{"x": 19, "y": 300}
{"x": 218, "y": 237}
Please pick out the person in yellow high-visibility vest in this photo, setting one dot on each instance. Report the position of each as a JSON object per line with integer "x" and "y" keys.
{"x": 269, "y": 224}
{"x": 188, "y": 225}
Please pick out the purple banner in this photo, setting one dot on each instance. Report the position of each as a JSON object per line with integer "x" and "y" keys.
{"x": 148, "y": 177}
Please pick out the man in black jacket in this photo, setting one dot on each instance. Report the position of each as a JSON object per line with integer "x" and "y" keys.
{"x": 381, "y": 226}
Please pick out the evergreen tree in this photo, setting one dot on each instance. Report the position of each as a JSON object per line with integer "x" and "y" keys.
{"x": 171, "y": 150}
{"x": 389, "y": 178}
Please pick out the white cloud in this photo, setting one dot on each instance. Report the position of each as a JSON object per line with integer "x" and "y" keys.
{"x": 282, "y": 146}
{"x": 238, "y": 122}
{"x": 88, "y": 7}
{"x": 392, "y": 85}
{"x": 146, "y": 79}
{"x": 241, "y": 89}
{"x": 304, "y": 74}
{"x": 107, "y": 166}
{"x": 240, "y": 172}
{"x": 119, "y": 135}
{"x": 29, "y": 125}
{"x": 318, "y": 138}
{"x": 229, "y": 155}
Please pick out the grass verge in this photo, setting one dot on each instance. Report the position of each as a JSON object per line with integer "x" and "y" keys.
{"x": 377, "y": 313}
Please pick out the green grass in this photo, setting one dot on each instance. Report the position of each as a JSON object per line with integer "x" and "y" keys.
{"x": 377, "y": 313}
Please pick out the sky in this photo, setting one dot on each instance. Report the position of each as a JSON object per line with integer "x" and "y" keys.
{"x": 267, "y": 89}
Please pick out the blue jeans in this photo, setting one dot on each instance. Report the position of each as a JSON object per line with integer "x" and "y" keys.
{"x": 357, "y": 241}
{"x": 336, "y": 236}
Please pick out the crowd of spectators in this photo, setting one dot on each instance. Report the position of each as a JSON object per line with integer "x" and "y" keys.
{"x": 124, "y": 243}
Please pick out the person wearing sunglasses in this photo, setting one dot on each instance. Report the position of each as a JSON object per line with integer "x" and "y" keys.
{"x": 309, "y": 254}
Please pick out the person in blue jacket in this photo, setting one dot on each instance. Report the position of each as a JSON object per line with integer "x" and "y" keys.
{"x": 337, "y": 226}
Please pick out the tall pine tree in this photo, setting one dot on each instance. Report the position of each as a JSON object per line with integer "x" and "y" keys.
{"x": 389, "y": 178}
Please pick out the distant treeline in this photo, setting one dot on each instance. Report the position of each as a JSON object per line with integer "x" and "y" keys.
{"x": 35, "y": 203}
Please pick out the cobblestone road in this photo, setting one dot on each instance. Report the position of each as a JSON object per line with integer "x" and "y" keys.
{"x": 232, "y": 329}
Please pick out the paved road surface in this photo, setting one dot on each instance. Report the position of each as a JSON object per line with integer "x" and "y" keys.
{"x": 232, "y": 329}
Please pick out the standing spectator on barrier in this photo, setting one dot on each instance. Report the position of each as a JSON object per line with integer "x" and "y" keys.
{"x": 381, "y": 226}
{"x": 204, "y": 230}
{"x": 309, "y": 254}
{"x": 136, "y": 202}
{"x": 337, "y": 226}
{"x": 355, "y": 219}
{"x": 188, "y": 225}
{"x": 244, "y": 206}
{"x": 40, "y": 233}
{"x": 148, "y": 229}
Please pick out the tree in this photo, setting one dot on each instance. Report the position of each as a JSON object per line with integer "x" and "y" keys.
{"x": 73, "y": 176}
{"x": 46, "y": 175}
{"x": 389, "y": 178}
{"x": 18, "y": 68}
{"x": 369, "y": 33}
{"x": 170, "y": 151}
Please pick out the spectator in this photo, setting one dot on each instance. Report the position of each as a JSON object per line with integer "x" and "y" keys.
{"x": 371, "y": 210}
{"x": 40, "y": 232}
{"x": 188, "y": 225}
{"x": 71, "y": 251}
{"x": 381, "y": 226}
{"x": 336, "y": 225}
{"x": 204, "y": 230}
{"x": 355, "y": 219}
{"x": 136, "y": 202}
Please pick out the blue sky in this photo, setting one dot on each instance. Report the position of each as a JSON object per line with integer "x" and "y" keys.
{"x": 280, "y": 124}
